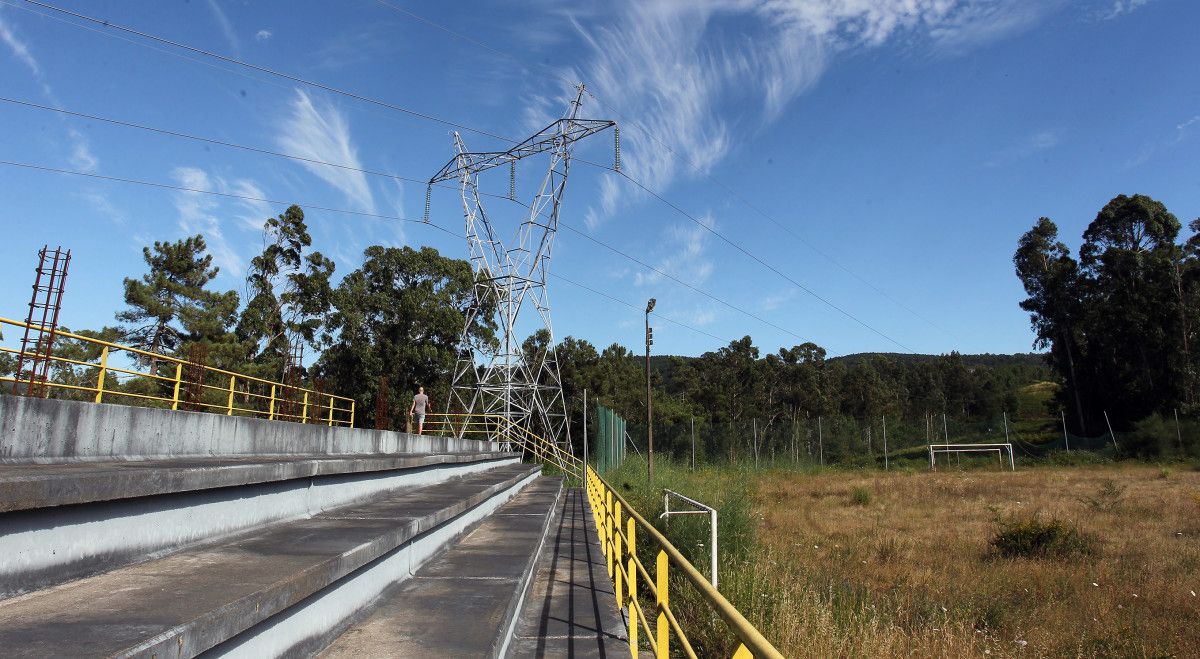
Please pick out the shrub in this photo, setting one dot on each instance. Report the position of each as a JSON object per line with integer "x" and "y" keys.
{"x": 1033, "y": 537}
{"x": 861, "y": 496}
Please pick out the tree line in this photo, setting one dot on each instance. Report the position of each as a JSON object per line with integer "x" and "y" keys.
{"x": 396, "y": 322}
{"x": 736, "y": 394}
{"x": 391, "y": 325}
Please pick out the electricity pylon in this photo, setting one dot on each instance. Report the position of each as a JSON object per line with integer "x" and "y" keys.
{"x": 499, "y": 379}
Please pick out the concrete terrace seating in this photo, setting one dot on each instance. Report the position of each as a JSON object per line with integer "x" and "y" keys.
{"x": 146, "y": 532}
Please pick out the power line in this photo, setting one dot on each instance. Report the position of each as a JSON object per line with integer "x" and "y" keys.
{"x": 234, "y": 145}
{"x": 690, "y": 162}
{"x": 680, "y": 281}
{"x": 745, "y": 251}
{"x": 377, "y": 216}
{"x": 229, "y": 195}
{"x": 208, "y": 140}
{"x": 269, "y": 71}
{"x": 638, "y": 308}
{"x": 263, "y": 69}
{"x": 225, "y": 143}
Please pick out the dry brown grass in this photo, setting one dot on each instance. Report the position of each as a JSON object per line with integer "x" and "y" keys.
{"x": 911, "y": 572}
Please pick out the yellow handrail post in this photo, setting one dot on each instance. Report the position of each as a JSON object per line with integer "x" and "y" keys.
{"x": 633, "y": 620}
{"x": 331, "y": 410}
{"x": 271, "y": 409}
{"x": 608, "y": 539}
{"x": 99, "y": 378}
{"x": 663, "y": 600}
{"x": 178, "y": 380}
{"x": 618, "y": 555}
{"x": 304, "y": 416}
{"x": 352, "y": 412}
{"x": 229, "y": 405}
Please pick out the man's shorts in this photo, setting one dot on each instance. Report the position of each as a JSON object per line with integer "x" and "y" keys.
{"x": 420, "y": 418}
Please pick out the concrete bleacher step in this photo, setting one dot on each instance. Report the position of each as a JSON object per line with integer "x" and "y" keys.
{"x": 27, "y": 486}
{"x": 281, "y": 589}
{"x": 464, "y": 602}
{"x": 135, "y": 511}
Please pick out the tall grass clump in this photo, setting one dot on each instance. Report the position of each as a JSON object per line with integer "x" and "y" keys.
{"x": 861, "y": 496}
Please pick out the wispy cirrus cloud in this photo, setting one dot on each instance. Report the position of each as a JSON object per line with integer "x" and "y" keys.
{"x": 700, "y": 75}
{"x": 319, "y": 131}
{"x": 1183, "y": 130}
{"x": 81, "y": 155}
{"x": 774, "y": 301}
{"x": 263, "y": 35}
{"x": 1119, "y": 8}
{"x": 1030, "y": 146}
{"x": 19, "y": 49}
{"x": 201, "y": 213}
{"x": 231, "y": 37}
{"x": 682, "y": 254}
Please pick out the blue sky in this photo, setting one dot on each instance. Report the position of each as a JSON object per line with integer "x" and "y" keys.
{"x": 904, "y": 144}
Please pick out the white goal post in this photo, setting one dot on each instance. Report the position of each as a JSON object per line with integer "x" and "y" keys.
{"x": 999, "y": 448}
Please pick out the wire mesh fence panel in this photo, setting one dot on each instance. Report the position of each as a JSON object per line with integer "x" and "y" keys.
{"x": 608, "y": 439}
{"x": 894, "y": 441}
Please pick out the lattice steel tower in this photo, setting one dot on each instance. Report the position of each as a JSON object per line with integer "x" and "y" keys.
{"x": 499, "y": 379}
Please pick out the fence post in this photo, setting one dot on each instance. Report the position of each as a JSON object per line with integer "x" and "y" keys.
{"x": 99, "y": 378}
{"x": 630, "y": 532}
{"x": 178, "y": 380}
{"x": 229, "y": 405}
{"x": 662, "y": 600}
{"x": 1110, "y": 432}
{"x": 304, "y": 415}
{"x": 271, "y": 408}
{"x": 352, "y": 413}
{"x": 331, "y": 410}
{"x": 712, "y": 542}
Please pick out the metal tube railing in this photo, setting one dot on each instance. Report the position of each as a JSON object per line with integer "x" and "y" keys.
{"x": 340, "y": 410}
{"x": 608, "y": 508}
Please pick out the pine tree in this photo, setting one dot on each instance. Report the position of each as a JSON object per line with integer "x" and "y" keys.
{"x": 169, "y": 305}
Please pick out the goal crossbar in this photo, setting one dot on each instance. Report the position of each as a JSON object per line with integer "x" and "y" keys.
{"x": 999, "y": 448}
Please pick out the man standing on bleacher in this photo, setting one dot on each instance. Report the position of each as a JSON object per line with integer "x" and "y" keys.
{"x": 418, "y": 407}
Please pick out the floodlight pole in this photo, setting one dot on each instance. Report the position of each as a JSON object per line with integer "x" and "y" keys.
{"x": 649, "y": 399}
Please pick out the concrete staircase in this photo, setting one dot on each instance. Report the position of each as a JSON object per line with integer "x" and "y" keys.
{"x": 142, "y": 532}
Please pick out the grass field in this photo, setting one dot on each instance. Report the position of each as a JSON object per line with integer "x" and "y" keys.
{"x": 1101, "y": 561}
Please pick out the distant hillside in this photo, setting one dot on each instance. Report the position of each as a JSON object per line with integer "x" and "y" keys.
{"x": 985, "y": 359}
{"x": 662, "y": 363}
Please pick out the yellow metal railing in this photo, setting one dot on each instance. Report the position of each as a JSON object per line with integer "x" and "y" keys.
{"x": 618, "y": 525}
{"x": 193, "y": 386}
{"x": 498, "y": 426}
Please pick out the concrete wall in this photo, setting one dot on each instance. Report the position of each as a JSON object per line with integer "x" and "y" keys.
{"x": 47, "y": 430}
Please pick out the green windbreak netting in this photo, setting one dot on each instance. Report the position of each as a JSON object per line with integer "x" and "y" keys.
{"x": 609, "y": 439}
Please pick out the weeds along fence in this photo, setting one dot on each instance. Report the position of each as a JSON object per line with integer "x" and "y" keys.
{"x": 85, "y": 368}
{"x": 881, "y": 441}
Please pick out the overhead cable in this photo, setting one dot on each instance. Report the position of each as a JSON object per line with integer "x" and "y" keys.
{"x": 687, "y": 159}
{"x": 267, "y": 70}
{"x": 377, "y": 216}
